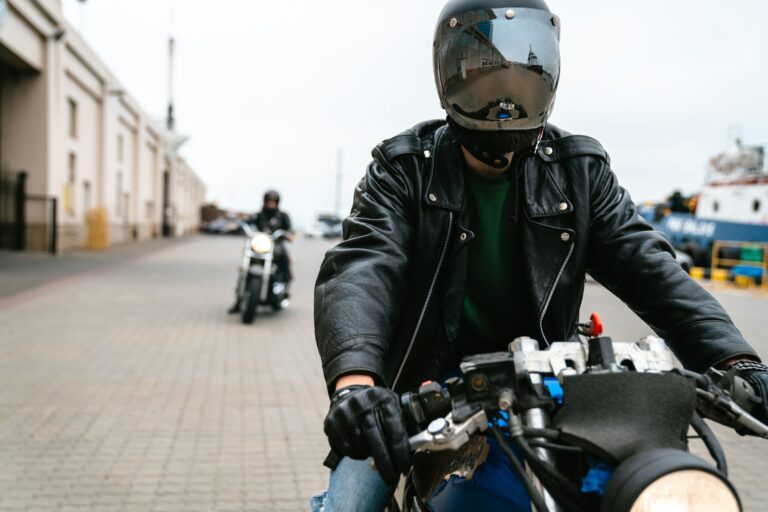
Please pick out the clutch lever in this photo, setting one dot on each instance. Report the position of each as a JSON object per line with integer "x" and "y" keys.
{"x": 443, "y": 434}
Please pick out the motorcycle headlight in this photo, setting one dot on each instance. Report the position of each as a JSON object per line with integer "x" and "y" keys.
{"x": 261, "y": 243}
{"x": 668, "y": 480}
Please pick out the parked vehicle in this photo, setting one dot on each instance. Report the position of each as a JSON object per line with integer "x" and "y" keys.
{"x": 223, "y": 226}
{"x": 259, "y": 280}
{"x": 685, "y": 260}
{"x": 326, "y": 226}
{"x": 582, "y": 426}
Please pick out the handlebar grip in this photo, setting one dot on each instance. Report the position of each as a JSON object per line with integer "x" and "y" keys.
{"x": 741, "y": 392}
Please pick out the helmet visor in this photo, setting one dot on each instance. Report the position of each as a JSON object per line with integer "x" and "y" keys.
{"x": 498, "y": 69}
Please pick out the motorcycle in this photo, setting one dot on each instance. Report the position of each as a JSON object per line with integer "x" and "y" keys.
{"x": 583, "y": 426}
{"x": 259, "y": 280}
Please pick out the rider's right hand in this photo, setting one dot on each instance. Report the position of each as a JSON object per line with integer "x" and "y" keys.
{"x": 366, "y": 421}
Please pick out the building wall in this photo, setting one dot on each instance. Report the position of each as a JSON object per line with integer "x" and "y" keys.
{"x": 23, "y": 98}
{"x": 66, "y": 120}
{"x": 148, "y": 197}
{"x": 119, "y": 190}
{"x": 78, "y": 175}
{"x": 25, "y": 82}
{"x": 23, "y": 120}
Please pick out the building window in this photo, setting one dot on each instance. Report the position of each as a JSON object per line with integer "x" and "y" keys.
{"x": 119, "y": 194}
{"x": 72, "y": 117}
{"x": 119, "y": 148}
{"x": 716, "y": 206}
{"x": 126, "y": 205}
{"x": 69, "y": 187}
{"x": 756, "y": 206}
{"x": 86, "y": 196}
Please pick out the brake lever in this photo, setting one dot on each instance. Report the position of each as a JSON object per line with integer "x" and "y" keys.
{"x": 443, "y": 434}
{"x": 732, "y": 412}
{"x": 719, "y": 395}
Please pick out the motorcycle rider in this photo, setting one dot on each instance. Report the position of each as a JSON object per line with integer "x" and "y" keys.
{"x": 270, "y": 219}
{"x": 467, "y": 233}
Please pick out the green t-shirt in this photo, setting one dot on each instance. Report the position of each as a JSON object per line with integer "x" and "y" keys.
{"x": 491, "y": 314}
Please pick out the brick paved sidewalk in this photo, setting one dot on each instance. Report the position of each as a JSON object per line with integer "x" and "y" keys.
{"x": 132, "y": 389}
{"x": 23, "y": 271}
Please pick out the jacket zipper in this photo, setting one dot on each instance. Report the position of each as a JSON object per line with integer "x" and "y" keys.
{"x": 552, "y": 293}
{"x": 426, "y": 301}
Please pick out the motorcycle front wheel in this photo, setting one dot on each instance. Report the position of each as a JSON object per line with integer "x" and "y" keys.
{"x": 251, "y": 300}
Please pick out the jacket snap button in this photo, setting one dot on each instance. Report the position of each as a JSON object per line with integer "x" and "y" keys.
{"x": 562, "y": 206}
{"x": 565, "y": 237}
{"x": 432, "y": 197}
{"x": 548, "y": 151}
{"x": 463, "y": 237}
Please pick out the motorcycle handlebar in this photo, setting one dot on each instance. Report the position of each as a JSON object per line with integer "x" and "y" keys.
{"x": 722, "y": 397}
{"x": 280, "y": 234}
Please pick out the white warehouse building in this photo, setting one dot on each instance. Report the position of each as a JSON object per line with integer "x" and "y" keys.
{"x": 96, "y": 169}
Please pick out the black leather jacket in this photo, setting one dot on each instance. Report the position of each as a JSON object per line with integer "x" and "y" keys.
{"x": 388, "y": 298}
{"x": 270, "y": 221}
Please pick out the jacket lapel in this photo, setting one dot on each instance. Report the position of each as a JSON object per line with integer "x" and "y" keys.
{"x": 445, "y": 186}
{"x": 547, "y": 233}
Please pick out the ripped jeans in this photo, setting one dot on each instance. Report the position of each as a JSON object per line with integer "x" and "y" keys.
{"x": 353, "y": 487}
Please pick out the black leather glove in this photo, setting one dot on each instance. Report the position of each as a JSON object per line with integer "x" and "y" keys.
{"x": 757, "y": 375}
{"x": 366, "y": 421}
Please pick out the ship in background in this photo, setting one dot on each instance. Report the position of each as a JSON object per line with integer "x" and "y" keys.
{"x": 728, "y": 219}
{"x": 737, "y": 186}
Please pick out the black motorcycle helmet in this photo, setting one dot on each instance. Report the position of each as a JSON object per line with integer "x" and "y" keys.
{"x": 272, "y": 195}
{"x": 497, "y": 67}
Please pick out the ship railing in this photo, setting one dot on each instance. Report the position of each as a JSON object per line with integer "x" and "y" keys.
{"x": 749, "y": 267}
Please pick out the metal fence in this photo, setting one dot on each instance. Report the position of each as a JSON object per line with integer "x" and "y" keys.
{"x": 27, "y": 221}
{"x": 12, "y": 210}
{"x": 745, "y": 262}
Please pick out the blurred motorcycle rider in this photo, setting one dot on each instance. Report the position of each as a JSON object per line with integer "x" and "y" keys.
{"x": 469, "y": 233}
{"x": 270, "y": 219}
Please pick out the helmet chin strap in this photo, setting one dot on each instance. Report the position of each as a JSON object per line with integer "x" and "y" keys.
{"x": 538, "y": 139}
{"x": 497, "y": 161}
{"x": 493, "y": 159}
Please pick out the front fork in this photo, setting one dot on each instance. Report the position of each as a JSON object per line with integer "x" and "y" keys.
{"x": 538, "y": 418}
{"x": 244, "y": 273}
{"x": 266, "y": 277}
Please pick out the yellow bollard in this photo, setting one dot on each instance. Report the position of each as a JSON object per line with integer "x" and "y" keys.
{"x": 697, "y": 273}
{"x": 720, "y": 274}
{"x": 743, "y": 281}
{"x": 97, "y": 222}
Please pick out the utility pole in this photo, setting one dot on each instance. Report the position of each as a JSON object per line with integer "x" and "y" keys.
{"x": 82, "y": 17}
{"x": 170, "y": 121}
{"x": 339, "y": 159}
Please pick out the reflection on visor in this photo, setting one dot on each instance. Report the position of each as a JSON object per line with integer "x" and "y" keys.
{"x": 499, "y": 73}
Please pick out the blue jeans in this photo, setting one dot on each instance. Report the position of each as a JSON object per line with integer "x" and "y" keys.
{"x": 354, "y": 487}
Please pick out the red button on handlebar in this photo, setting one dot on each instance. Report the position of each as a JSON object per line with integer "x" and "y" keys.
{"x": 596, "y": 327}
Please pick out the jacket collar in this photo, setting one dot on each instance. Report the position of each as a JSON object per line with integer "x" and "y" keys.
{"x": 445, "y": 188}
{"x": 543, "y": 197}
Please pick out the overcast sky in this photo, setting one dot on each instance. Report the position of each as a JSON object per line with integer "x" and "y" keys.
{"x": 269, "y": 90}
